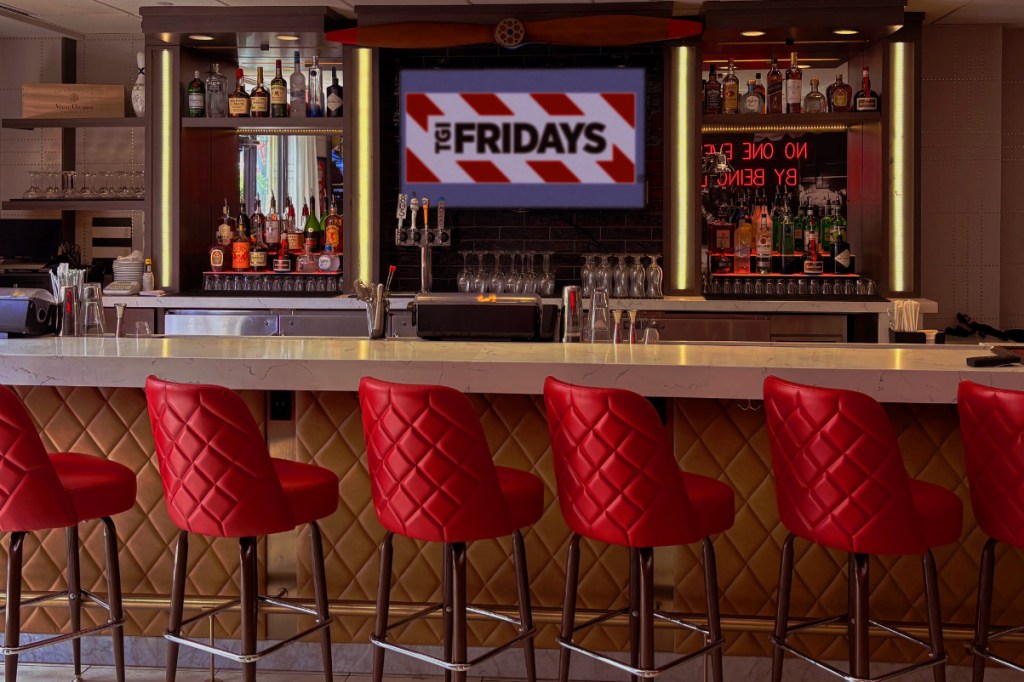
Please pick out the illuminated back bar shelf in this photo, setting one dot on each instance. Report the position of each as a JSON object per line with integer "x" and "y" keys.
{"x": 757, "y": 123}
{"x": 270, "y": 126}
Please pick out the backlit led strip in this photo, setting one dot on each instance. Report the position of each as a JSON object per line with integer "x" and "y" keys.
{"x": 363, "y": 57}
{"x": 781, "y": 128}
{"x": 165, "y": 152}
{"x": 901, "y": 175}
{"x": 291, "y": 131}
{"x": 683, "y": 160}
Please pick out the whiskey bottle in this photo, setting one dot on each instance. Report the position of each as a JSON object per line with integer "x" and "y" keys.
{"x": 764, "y": 246}
{"x": 294, "y": 231}
{"x": 866, "y": 99}
{"x": 283, "y": 261}
{"x": 220, "y": 251}
{"x": 333, "y": 229}
{"x": 731, "y": 92}
{"x": 226, "y": 227}
{"x": 258, "y": 250}
{"x": 243, "y": 222}
{"x": 273, "y": 223}
{"x": 335, "y": 96}
{"x": 752, "y": 102}
{"x": 258, "y": 223}
{"x": 759, "y": 89}
{"x": 297, "y": 86}
{"x": 196, "y": 98}
{"x": 814, "y": 102}
{"x": 839, "y": 95}
{"x": 238, "y": 101}
{"x": 240, "y": 248}
{"x": 712, "y": 93}
{"x": 259, "y": 100}
{"x": 278, "y": 95}
{"x": 794, "y": 86}
{"x": 774, "y": 97}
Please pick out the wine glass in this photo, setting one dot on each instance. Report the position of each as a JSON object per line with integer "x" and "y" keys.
{"x": 86, "y": 191}
{"x": 33, "y": 191}
{"x": 654, "y": 275}
{"x": 605, "y": 279}
{"x": 587, "y": 274}
{"x": 636, "y": 278}
{"x": 497, "y": 283}
{"x": 621, "y": 276}
{"x": 479, "y": 277}
{"x": 513, "y": 275}
{"x": 547, "y": 281}
{"x": 52, "y": 190}
{"x": 465, "y": 277}
{"x": 529, "y": 275}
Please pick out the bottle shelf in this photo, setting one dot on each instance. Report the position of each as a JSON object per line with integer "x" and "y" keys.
{"x": 34, "y": 123}
{"x": 74, "y": 205}
{"x": 270, "y": 126}
{"x": 729, "y": 123}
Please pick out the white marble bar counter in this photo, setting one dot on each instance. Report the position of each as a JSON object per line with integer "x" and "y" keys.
{"x": 400, "y": 302}
{"x": 919, "y": 374}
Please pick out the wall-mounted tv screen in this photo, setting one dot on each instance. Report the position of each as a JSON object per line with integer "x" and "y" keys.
{"x": 506, "y": 138}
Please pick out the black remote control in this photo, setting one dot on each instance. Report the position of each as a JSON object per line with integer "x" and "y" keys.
{"x": 992, "y": 360}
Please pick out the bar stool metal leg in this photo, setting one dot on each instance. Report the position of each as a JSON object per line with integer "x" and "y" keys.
{"x": 782, "y": 607}
{"x": 634, "y": 610}
{"x": 459, "y": 609}
{"x": 525, "y": 608}
{"x": 114, "y": 595}
{"x": 931, "y": 591}
{"x": 860, "y": 644}
{"x": 380, "y": 628}
{"x": 316, "y": 548}
{"x": 177, "y": 603}
{"x": 646, "y": 608}
{"x": 12, "y": 632}
{"x": 982, "y": 623}
{"x": 446, "y": 610}
{"x": 247, "y": 556}
{"x": 714, "y": 616}
{"x": 851, "y": 598}
{"x": 74, "y": 595}
{"x": 572, "y": 574}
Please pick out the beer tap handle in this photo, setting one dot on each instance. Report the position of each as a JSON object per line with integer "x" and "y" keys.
{"x": 414, "y": 204}
{"x": 402, "y": 207}
{"x": 440, "y": 214}
{"x": 426, "y": 213}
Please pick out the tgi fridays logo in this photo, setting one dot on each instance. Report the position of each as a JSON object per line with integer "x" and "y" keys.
{"x": 521, "y": 137}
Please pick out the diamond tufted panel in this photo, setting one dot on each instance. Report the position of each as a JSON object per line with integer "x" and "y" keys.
{"x": 113, "y": 423}
{"x": 329, "y": 433}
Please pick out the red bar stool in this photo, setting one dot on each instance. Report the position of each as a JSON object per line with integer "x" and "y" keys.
{"x": 42, "y": 492}
{"x": 220, "y": 481}
{"x": 619, "y": 483}
{"x": 840, "y": 482}
{"x": 992, "y": 426}
{"x": 433, "y": 479}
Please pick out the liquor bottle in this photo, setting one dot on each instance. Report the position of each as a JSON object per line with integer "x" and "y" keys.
{"x": 283, "y": 262}
{"x": 196, "y": 98}
{"x": 764, "y": 246}
{"x": 752, "y": 102}
{"x": 148, "y": 279}
{"x": 743, "y": 242}
{"x": 793, "y": 86}
{"x": 240, "y": 248}
{"x": 787, "y": 249}
{"x": 273, "y": 224}
{"x": 258, "y": 251}
{"x": 328, "y": 260}
{"x": 315, "y": 94}
{"x": 811, "y": 230}
{"x": 278, "y": 95}
{"x": 216, "y": 94}
{"x": 297, "y": 86}
{"x": 813, "y": 264}
{"x": 259, "y": 100}
{"x": 866, "y": 99}
{"x": 840, "y": 252}
{"x": 334, "y": 229}
{"x": 825, "y": 227}
{"x": 306, "y": 261}
{"x": 798, "y": 230}
{"x": 313, "y": 232}
{"x": 335, "y": 101}
{"x": 243, "y": 222}
{"x": 712, "y": 93}
{"x": 775, "y": 79}
{"x": 226, "y": 227}
{"x": 759, "y": 87}
{"x": 294, "y": 232}
{"x": 839, "y": 95}
{"x": 221, "y": 248}
{"x": 814, "y": 102}
{"x": 238, "y": 101}
{"x": 258, "y": 223}
{"x": 839, "y": 223}
{"x": 731, "y": 92}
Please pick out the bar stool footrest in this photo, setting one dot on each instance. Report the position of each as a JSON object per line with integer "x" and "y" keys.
{"x": 110, "y": 624}
{"x": 989, "y": 656}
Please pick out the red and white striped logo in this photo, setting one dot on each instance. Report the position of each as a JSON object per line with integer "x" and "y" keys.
{"x": 521, "y": 138}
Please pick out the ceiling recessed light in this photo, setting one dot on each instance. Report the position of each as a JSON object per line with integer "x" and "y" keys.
{"x": 752, "y": 34}
{"x": 287, "y": 37}
{"x": 845, "y": 32}
{"x": 199, "y": 36}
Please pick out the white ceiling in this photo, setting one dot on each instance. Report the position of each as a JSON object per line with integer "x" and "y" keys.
{"x": 122, "y": 16}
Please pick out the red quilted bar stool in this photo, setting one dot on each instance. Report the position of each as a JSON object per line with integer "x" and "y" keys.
{"x": 433, "y": 479}
{"x": 41, "y": 492}
{"x": 619, "y": 483}
{"x": 992, "y": 426}
{"x": 840, "y": 482}
{"x": 220, "y": 481}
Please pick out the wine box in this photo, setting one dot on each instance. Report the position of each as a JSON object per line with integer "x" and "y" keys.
{"x": 66, "y": 100}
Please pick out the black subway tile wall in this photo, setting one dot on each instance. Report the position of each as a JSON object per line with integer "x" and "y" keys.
{"x": 569, "y": 233}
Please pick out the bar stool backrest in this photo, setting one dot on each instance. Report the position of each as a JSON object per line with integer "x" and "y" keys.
{"x": 217, "y": 475}
{"x": 840, "y": 480}
{"x": 31, "y": 496}
{"x": 992, "y": 427}
{"x": 618, "y": 480}
{"x": 431, "y": 472}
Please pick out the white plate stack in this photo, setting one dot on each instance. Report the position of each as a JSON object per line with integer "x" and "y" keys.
{"x": 128, "y": 271}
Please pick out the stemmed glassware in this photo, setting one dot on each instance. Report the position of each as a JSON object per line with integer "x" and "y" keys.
{"x": 464, "y": 280}
{"x": 547, "y": 281}
{"x": 33, "y": 191}
{"x": 479, "y": 277}
{"x": 587, "y": 274}
{"x": 497, "y": 284}
{"x": 654, "y": 275}
{"x": 605, "y": 278}
{"x": 529, "y": 275}
{"x": 621, "y": 275}
{"x": 636, "y": 278}
{"x": 514, "y": 277}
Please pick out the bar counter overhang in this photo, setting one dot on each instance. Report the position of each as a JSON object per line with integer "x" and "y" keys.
{"x": 85, "y": 395}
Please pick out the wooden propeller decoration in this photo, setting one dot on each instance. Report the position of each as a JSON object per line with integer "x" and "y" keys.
{"x": 598, "y": 30}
